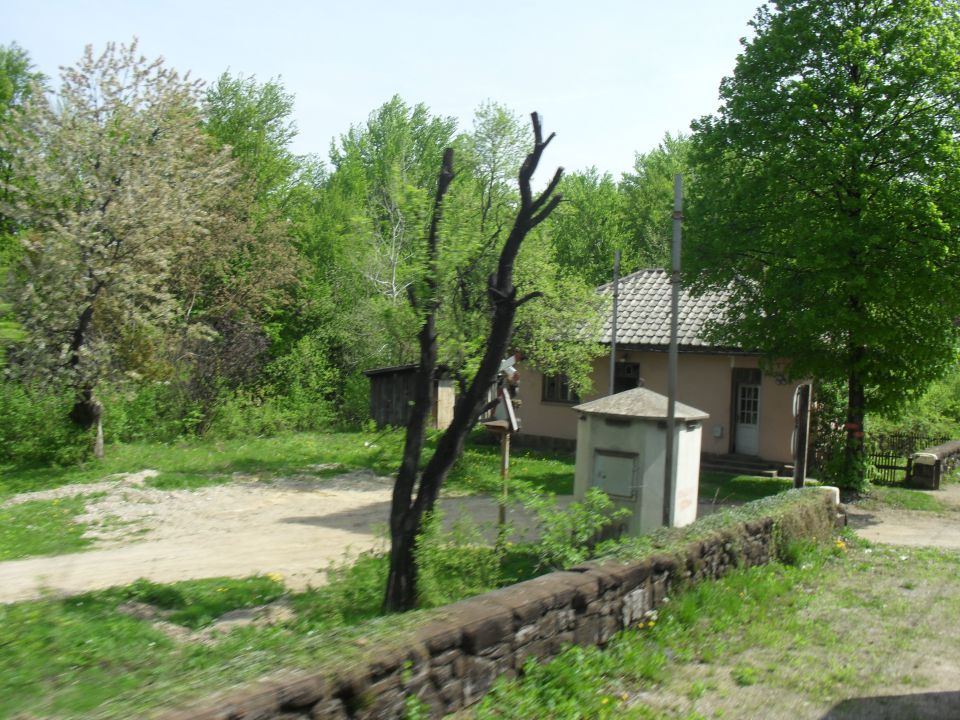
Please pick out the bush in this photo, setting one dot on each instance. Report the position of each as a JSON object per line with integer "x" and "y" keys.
{"x": 455, "y": 564}
{"x": 149, "y": 412}
{"x": 35, "y": 426}
{"x": 354, "y": 409}
{"x": 568, "y": 536}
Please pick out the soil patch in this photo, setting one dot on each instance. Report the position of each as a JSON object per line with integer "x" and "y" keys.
{"x": 296, "y": 527}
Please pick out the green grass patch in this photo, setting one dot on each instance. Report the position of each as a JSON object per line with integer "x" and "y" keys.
{"x": 81, "y": 656}
{"x": 194, "y": 603}
{"x": 904, "y": 499}
{"x": 478, "y": 470}
{"x": 197, "y": 463}
{"x": 41, "y": 527}
{"x": 727, "y": 487}
{"x": 838, "y": 623}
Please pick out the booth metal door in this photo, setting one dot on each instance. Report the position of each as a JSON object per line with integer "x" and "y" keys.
{"x": 747, "y": 432}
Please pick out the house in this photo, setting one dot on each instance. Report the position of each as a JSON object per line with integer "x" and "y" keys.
{"x": 751, "y": 411}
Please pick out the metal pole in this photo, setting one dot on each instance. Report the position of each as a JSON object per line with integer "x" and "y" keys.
{"x": 613, "y": 331}
{"x": 669, "y": 474}
{"x": 504, "y": 476}
{"x": 802, "y": 435}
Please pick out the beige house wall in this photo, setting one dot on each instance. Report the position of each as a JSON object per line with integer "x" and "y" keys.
{"x": 703, "y": 382}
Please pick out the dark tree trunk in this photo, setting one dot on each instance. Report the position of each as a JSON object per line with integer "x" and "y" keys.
{"x": 87, "y": 410}
{"x": 856, "y": 405}
{"x": 404, "y": 523}
{"x": 406, "y": 513}
{"x": 87, "y": 413}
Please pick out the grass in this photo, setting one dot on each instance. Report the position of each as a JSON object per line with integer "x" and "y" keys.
{"x": 903, "y": 498}
{"x": 727, "y": 487}
{"x": 838, "y": 625}
{"x": 195, "y": 463}
{"x": 41, "y": 527}
{"x": 71, "y": 657}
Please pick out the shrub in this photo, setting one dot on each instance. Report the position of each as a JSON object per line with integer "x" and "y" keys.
{"x": 35, "y": 427}
{"x": 455, "y": 564}
{"x": 568, "y": 536}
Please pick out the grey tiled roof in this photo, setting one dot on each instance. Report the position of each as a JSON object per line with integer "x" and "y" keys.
{"x": 639, "y": 403}
{"x": 643, "y": 317}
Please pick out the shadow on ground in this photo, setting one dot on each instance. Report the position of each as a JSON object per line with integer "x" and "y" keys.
{"x": 921, "y": 706}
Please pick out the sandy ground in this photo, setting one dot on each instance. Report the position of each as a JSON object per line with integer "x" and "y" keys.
{"x": 296, "y": 528}
{"x": 909, "y": 527}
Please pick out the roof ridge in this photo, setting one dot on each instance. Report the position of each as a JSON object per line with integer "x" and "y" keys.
{"x": 633, "y": 274}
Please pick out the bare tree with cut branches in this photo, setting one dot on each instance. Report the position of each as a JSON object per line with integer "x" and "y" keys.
{"x": 408, "y": 507}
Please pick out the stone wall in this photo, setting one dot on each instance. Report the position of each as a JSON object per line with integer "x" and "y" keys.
{"x": 453, "y": 660}
{"x": 931, "y": 465}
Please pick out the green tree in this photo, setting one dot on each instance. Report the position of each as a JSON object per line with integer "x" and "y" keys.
{"x": 648, "y": 200}
{"x": 827, "y": 189}
{"x": 18, "y": 78}
{"x": 114, "y": 180}
{"x": 589, "y": 225}
{"x": 253, "y": 118}
{"x": 390, "y": 164}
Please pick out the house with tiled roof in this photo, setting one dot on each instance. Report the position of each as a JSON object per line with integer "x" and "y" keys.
{"x": 751, "y": 411}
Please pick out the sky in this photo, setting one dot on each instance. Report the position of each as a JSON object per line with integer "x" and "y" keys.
{"x": 609, "y": 77}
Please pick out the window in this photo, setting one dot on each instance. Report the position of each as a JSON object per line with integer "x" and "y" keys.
{"x": 556, "y": 388}
{"x": 626, "y": 376}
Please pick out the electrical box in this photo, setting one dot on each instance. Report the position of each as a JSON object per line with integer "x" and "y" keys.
{"x": 621, "y": 449}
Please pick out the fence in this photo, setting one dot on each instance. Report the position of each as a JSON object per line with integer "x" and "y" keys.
{"x": 889, "y": 454}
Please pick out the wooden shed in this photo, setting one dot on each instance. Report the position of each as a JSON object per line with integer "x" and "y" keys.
{"x": 391, "y": 396}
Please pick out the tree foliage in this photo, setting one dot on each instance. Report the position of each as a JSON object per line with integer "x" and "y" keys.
{"x": 115, "y": 182}
{"x": 648, "y": 198}
{"x": 589, "y": 226}
{"x": 827, "y": 196}
{"x": 253, "y": 119}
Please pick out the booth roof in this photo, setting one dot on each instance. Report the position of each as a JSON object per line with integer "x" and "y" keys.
{"x": 639, "y": 403}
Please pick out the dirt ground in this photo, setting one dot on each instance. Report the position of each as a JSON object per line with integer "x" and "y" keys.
{"x": 294, "y": 527}
{"x": 910, "y": 527}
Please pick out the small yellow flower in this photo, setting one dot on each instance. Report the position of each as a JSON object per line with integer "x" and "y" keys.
{"x": 275, "y": 576}
{"x": 604, "y": 701}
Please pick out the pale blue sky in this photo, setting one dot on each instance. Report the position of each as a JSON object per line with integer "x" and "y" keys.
{"x": 609, "y": 77}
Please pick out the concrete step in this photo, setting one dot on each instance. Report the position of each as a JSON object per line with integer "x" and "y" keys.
{"x": 740, "y": 465}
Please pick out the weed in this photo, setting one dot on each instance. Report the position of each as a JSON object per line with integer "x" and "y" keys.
{"x": 903, "y": 498}
{"x": 744, "y": 675}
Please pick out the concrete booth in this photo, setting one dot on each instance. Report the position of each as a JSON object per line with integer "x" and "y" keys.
{"x": 621, "y": 449}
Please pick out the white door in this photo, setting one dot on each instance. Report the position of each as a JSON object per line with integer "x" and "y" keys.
{"x": 747, "y": 432}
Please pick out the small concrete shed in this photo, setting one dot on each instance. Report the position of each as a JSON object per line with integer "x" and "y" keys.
{"x": 621, "y": 449}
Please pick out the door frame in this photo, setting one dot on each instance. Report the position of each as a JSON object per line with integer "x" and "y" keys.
{"x": 738, "y": 377}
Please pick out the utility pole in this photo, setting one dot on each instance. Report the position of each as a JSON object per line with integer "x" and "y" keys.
{"x": 613, "y": 331}
{"x": 668, "y": 476}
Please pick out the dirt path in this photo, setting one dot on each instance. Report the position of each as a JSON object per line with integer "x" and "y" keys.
{"x": 297, "y": 528}
{"x": 911, "y": 527}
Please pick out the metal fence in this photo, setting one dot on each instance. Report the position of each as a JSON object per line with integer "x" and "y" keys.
{"x": 889, "y": 454}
